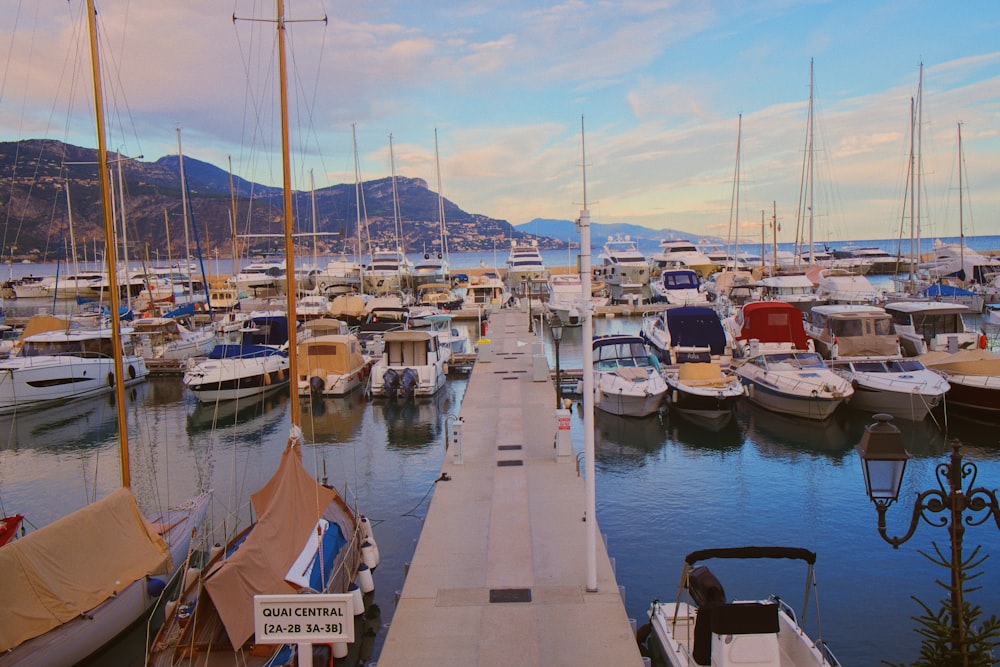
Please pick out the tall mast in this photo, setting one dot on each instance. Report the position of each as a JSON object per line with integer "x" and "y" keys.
{"x": 812, "y": 256}
{"x": 395, "y": 200}
{"x": 444, "y": 226}
{"x": 233, "y": 213}
{"x": 913, "y": 195}
{"x": 286, "y": 173}
{"x": 184, "y": 201}
{"x": 110, "y": 250}
{"x": 961, "y": 224}
{"x": 358, "y": 199}
{"x": 918, "y": 174}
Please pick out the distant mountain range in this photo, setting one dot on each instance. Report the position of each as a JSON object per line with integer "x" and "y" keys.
{"x": 35, "y": 173}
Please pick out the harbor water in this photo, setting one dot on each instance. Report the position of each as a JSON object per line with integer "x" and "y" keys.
{"x": 666, "y": 486}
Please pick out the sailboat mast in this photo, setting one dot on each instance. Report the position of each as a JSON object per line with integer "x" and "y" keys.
{"x": 109, "y": 245}
{"x": 358, "y": 200}
{"x": 395, "y": 199}
{"x": 444, "y": 226}
{"x": 961, "y": 222}
{"x": 812, "y": 255}
{"x": 913, "y": 196}
{"x": 286, "y": 173}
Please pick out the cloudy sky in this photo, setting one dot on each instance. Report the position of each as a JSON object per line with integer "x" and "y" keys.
{"x": 661, "y": 86}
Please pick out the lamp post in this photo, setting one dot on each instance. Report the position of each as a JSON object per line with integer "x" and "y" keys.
{"x": 556, "y": 329}
{"x": 884, "y": 460}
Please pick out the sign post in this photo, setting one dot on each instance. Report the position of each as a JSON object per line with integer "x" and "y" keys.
{"x": 304, "y": 620}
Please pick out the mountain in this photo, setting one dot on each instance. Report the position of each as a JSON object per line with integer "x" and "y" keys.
{"x": 35, "y": 173}
{"x": 645, "y": 237}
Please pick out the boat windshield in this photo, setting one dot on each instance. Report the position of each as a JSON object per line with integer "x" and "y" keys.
{"x": 92, "y": 347}
{"x": 794, "y": 361}
{"x": 621, "y": 355}
{"x": 904, "y": 365}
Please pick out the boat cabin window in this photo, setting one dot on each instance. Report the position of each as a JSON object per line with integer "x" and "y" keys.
{"x": 680, "y": 280}
{"x": 794, "y": 360}
{"x": 617, "y": 355}
{"x": 869, "y": 366}
{"x": 95, "y": 347}
{"x": 847, "y": 328}
{"x": 904, "y": 365}
{"x": 930, "y": 325}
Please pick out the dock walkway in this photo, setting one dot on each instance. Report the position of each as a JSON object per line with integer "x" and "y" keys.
{"x": 499, "y": 573}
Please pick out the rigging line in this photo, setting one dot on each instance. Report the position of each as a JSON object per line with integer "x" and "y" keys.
{"x": 116, "y": 92}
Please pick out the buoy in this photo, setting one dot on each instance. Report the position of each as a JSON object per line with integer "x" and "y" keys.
{"x": 155, "y": 586}
{"x": 365, "y": 580}
{"x": 357, "y": 598}
{"x": 368, "y": 555}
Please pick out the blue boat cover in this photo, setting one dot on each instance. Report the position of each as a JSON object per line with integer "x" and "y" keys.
{"x": 946, "y": 290}
{"x": 696, "y": 326}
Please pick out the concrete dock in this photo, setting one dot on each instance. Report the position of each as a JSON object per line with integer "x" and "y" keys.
{"x": 499, "y": 573}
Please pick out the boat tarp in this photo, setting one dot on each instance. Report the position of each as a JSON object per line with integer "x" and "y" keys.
{"x": 62, "y": 570}
{"x": 963, "y": 362}
{"x": 330, "y": 354}
{"x": 696, "y": 326}
{"x": 793, "y": 553}
{"x": 287, "y": 507}
{"x": 773, "y": 322}
{"x": 939, "y": 289}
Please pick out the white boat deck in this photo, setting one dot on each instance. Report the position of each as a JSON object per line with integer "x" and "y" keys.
{"x": 499, "y": 573}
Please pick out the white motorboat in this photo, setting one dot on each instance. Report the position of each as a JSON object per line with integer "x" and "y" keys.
{"x": 164, "y": 338}
{"x": 64, "y": 364}
{"x": 902, "y": 387}
{"x": 263, "y": 274}
{"x": 411, "y": 365}
{"x": 331, "y": 360}
{"x": 840, "y": 286}
{"x": 256, "y": 365}
{"x": 974, "y": 378}
{"x": 680, "y": 287}
{"x": 431, "y": 268}
{"x": 487, "y": 291}
{"x": 566, "y": 298}
{"x": 931, "y": 326}
{"x": 703, "y": 389}
{"x": 681, "y": 253}
{"x": 341, "y": 275}
{"x": 794, "y": 288}
{"x": 852, "y": 331}
{"x": 703, "y": 627}
{"x": 627, "y": 379}
{"x": 794, "y": 382}
{"x": 686, "y": 333}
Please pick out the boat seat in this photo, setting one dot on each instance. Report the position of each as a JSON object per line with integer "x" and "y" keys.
{"x": 746, "y": 633}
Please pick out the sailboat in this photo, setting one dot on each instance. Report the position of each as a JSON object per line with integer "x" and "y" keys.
{"x": 306, "y": 538}
{"x": 69, "y": 588}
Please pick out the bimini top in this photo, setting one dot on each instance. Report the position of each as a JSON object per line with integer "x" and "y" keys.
{"x": 792, "y": 553}
{"x": 773, "y": 322}
{"x": 696, "y": 326}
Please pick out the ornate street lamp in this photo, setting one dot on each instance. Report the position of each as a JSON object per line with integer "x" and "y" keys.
{"x": 884, "y": 460}
{"x": 556, "y": 329}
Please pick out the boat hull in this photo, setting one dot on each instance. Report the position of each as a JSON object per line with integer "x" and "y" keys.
{"x": 976, "y": 396}
{"x": 799, "y": 405}
{"x": 237, "y": 378}
{"x": 28, "y": 383}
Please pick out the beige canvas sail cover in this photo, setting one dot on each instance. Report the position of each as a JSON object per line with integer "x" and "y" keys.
{"x": 330, "y": 354}
{"x": 287, "y": 508}
{"x": 54, "y": 574}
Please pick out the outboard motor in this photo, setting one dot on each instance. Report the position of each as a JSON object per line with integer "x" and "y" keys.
{"x": 390, "y": 382}
{"x": 408, "y": 383}
{"x": 316, "y": 386}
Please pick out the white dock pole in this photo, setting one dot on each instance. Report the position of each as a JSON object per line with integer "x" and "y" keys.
{"x": 588, "y": 379}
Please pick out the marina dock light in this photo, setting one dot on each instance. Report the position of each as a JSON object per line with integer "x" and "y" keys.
{"x": 556, "y": 329}
{"x": 883, "y": 460}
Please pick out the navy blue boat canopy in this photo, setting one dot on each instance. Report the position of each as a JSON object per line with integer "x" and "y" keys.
{"x": 793, "y": 553}
{"x": 696, "y": 326}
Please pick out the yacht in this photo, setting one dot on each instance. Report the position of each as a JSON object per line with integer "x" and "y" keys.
{"x": 62, "y": 362}
{"x": 524, "y": 268}
{"x": 388, "y": 272}
{"x": 566, "y": 298}
{"x": 166, "y": 339}
{"x": 265, "y": 274}
{"x": 794, "y": 288}
{"x": 902, "y": 387}
{"x": 432, "y": 268}
{"x": 341, "y": 275}
{"x": 793, "y": 382}
{"x": 487, "y": 291}
{"x": 931, "y": 326}
{"x": 680, "y": 287}
{"x": 848, "y": 330}
{"x": 840, "y": 286}
{"x": 623, "y": 268}
{"x": 682, "y": 254}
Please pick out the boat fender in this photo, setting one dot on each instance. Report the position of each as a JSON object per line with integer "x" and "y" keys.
{"x": 131, "y": 372}
{"x": 155, "y": 587}
{"x": 982, "y": 341}
{"x": 111, "y": 379}
{"x": 339, "y": 650}
{"x": 365, "y": 580}
{"x": 674, "y": 396}
{"x": 749, "y": 390}
{"x": 359, "y": 601}
{"x": 369, "y": 555}
{"x": 281, "y": 375}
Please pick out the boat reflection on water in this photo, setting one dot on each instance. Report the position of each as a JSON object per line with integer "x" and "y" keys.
{"x": 92, "y": 422}
{"x": 625, "y": 441}
{"x": 415, "y": 424}
{"x": 328, "y": 419}
{"x": 718, "y": 435}
{"x": 787, "y": 436}
{"x": 246, "y": 421}
{"x": 162, "y": 391}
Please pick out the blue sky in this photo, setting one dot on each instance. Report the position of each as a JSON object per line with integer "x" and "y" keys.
{"x": 661, "y": 86}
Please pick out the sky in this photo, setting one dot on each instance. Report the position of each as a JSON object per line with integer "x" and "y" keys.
{"x": 693, "y": 113}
